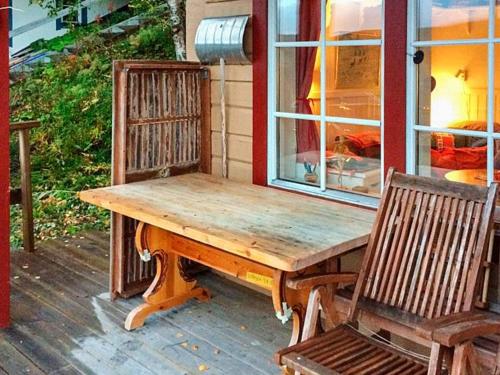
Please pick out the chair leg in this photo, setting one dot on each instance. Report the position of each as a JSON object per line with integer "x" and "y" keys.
{"x": 436, "y": 359}
{"x": 312, "y": 313}
{"x": 459, "y": 366}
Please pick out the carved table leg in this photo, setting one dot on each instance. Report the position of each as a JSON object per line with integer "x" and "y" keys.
{"x": 170, "y": 286}
{"x": 289, "y": 304}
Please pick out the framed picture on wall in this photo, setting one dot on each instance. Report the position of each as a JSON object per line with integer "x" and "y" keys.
{"x": 358, "y": 67}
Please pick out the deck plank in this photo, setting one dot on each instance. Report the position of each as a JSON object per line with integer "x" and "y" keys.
{"x": 65, "y": 323}
{"x": 14, "y": 362}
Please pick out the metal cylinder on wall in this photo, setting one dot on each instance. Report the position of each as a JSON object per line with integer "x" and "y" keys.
{"x": 223, "y": 40}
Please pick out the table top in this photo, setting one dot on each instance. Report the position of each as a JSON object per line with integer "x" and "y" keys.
{"x": 280, "y": 229}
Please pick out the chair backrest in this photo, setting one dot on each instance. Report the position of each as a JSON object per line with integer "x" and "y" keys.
{"x": 427, "y": 246}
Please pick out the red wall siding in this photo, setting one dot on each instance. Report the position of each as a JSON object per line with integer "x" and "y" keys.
{"x": 395, "y": 85}
{"x": 259, "y": 24}
{"x": 4, "y": 166}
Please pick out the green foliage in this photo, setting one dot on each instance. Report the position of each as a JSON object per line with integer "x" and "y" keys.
{"x": 71, "y": 151}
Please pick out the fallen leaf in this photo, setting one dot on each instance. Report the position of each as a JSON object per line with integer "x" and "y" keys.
{"x": 194, "y": 347}
{"x": 202, "y": 368}
{"x": 184, "y": 344}
{"x": 243, "y": 328}
{"x": 178, "y": 335}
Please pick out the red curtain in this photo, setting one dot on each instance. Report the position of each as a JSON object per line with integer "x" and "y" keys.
{"x": 309, "y": 29}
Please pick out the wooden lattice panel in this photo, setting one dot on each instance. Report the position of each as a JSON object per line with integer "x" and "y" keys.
{"x": 161, "y": 127}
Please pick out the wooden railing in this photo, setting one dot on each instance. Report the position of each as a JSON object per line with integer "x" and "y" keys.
{"x": 22, "y": 195}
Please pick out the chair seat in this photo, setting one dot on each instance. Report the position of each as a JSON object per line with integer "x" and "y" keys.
{"x": 344, "y": 351}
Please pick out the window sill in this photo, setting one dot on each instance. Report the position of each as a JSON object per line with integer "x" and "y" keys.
{"x": 333, "y": 195}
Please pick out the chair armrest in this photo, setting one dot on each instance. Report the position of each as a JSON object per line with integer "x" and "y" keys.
{"x": 458, "y": 328}
{"x": 310, "y": 281}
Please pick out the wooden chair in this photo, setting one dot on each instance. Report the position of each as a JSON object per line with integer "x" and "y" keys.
{"x": 418, "y": 279}
{"x": 23, "y": 195}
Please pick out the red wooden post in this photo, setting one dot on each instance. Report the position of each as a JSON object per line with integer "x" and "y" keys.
{"x": 4, "y": 166}
{"x": 395, "y": 85}
{"x": 259, "y": 25}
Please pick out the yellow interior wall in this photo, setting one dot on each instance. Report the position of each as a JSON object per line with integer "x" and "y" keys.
{"x": 449, "y": 100}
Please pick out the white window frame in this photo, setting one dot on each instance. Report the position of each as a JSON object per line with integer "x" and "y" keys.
{"x": 412, "y": 128}
{"x": 274, "y": 115}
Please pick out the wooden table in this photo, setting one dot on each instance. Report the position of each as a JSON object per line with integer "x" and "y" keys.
{"x": 257, "y": 234}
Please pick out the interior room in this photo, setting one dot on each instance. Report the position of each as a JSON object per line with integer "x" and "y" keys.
{"x": 450, "y": 93}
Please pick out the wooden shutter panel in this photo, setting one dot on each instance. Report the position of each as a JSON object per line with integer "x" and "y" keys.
{"x": 161, "y": 127}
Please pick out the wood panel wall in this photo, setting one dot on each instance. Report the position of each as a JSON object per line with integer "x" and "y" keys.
{"x": 4, "y": 165}
{"x": 238, "y": 92}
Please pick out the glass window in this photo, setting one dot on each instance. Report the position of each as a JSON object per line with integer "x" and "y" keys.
{"x": 326, "y": 95}
{"x": 455, "y": 91}
{"x": 452, "y": 19}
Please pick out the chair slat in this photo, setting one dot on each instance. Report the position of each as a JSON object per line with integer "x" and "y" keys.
{"x": 383, "y": 250}
{"x": 411, "y": 248}
{"x": 390, "y": 295}
{"x": 431, "y": 284}
{"x": 451, "y": 258}
{"x": 427, "y": 249}
{"x": 373, "y": 266}
{"x": 470, "y": 244}
{"x": 458, "y": 263}
{"x": 443, "y": 257}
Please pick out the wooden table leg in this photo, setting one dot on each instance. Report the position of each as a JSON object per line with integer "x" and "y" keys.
{"x": 291, "y": 304}
{"x": 170, "y": 287}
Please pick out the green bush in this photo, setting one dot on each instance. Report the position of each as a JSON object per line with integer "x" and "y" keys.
{"x": 71, "y": 151}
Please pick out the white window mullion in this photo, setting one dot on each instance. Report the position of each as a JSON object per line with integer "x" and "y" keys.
{"x": 491, "y": 93}
{"x": 272, "y": 154}
{"x": 323, "y": 176}
{"x": 411, "y": 90}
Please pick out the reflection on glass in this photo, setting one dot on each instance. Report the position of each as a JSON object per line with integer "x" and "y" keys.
{"x": 299, "y": 21}
{"x": 452, "y": 19}
{"x": 353, "y": 19}
{"x": 353, "y": 158}
{"x": 451, "y": 90}
{"x": 452, "y": 157}
{"x": 353, "y": 82}
{"x": 298, "y": 151}
{"x": 298, "y": 76}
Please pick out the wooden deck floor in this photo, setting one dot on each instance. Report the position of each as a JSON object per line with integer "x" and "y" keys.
{"x": 64, "y": 323}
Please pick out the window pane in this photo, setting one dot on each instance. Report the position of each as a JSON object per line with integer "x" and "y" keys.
{"x": 497, "y": 87}
{"x": 298, "y": 151}
{"x": 451, "y": 90}
{"x": 497, "y": 161}
{"x": 353, "y": 82}
{"x": 497, "y": 19}
{"x": 299, "y": 20}
{"x": 298, "y": 80}
{"x": 452, "y": 19}
{"x": 353, "y": 158}
{"x": 453, "y": 157}
{"x": 353, "y": 19}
